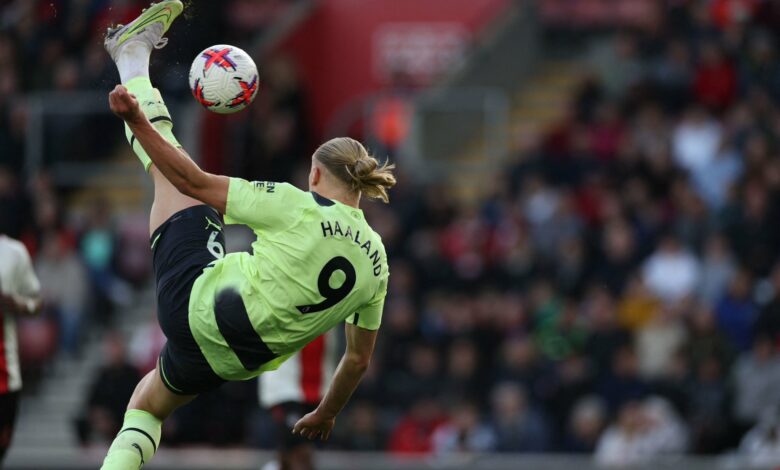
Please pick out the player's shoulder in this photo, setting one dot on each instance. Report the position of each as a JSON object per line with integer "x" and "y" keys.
{"x": 378, "y": 239}
{"x": 294, "y": 194}
{"x": 263, "y": 186}
{"x": 273, "y": 187}
{"x": 13, "y": 246}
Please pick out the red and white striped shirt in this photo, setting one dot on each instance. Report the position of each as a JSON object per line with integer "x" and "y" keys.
{"x": 16, "y": 278}
{"x": 303, "y": 378}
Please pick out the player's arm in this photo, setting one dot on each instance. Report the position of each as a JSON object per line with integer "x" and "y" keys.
{"x": 28, "y": 300}
{"x": 360, "y": 347}
{"x": 172, "y": 162}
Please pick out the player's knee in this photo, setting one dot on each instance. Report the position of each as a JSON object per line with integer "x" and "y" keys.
{"x": 145, "y": 398}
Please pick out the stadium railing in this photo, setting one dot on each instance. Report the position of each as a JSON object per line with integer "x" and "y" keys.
{"x": 492, "y": 71}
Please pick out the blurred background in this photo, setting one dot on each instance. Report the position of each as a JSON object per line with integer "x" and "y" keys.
{"x": 584, "y": 242}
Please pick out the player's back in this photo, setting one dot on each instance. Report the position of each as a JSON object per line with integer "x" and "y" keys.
{"x": 315, "y": 263}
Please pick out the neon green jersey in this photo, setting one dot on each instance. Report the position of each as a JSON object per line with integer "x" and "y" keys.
{"x": 315, "y": 263}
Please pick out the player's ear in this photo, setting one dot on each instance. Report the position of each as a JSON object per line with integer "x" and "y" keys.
{"x": 314, "y": 176}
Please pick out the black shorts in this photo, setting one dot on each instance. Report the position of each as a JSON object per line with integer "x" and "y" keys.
{"x": 182, "y": 247}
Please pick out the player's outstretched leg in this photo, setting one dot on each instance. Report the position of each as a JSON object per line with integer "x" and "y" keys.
{"x": 130, "y": 46}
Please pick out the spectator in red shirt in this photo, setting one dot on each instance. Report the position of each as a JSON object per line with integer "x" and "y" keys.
{"x": 726, "y": 13}
{"x": 414, "y": 432}
{"x": 715, "y": 83}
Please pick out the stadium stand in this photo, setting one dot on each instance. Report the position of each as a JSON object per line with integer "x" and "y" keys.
{"x": 613, "y": 290}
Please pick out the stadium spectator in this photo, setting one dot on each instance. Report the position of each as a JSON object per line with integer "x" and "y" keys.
{"x": 643, "y": 430}
{"x": 671, "y": 272}
{"x": 414, "y": 432}
{"x": 463, "y": 375}
{"x": 756, "y": 381}
{"x": 708, "y": 395}
{"x": 109, "y": 392}
{"x": 587, "y": 422}
{"x": 463, "y": 432}
{"x": 706, "y": 340}
{"x": 715, "y": 81}
{"x": 145, "y": 344}
{"x": 519, "y": 427}
{"x": 623, "y": 384}
{"x": 97, "y": 248}
{"x": 717, "y": 269}
{"x": 736, "y": 311}
{"x": 768, "y": 321}
{"x": 65, "y": 288}
{"x": 761, "y": 445}
{"x": 658, "y": 342}
{"x": 696, "y": 140}
{"x": 362, "y": 432}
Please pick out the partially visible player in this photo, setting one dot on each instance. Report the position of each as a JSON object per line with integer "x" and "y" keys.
{"x": 292, "y": 391}
{"x": 19, "y": 295}
{"x": 316, "y": 262}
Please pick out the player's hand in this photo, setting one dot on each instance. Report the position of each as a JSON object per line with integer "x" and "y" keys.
{"x": 8, "y": 304}
{"x": 313, "y": 425}
{"x": 125, "y": 105}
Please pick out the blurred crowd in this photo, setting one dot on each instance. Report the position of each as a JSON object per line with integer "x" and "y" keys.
{"x": 618, "y": 292}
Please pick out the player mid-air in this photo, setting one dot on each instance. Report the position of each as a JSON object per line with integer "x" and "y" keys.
{"x": 316, "y": 262}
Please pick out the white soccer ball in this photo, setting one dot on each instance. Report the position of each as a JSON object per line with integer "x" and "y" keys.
{"x": 224, "y": 79}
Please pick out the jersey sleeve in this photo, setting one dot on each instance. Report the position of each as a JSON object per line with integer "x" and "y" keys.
{"x": 26, "y": 281}
{"x": 370, "y": 316}
{"x": 264, "y": 205}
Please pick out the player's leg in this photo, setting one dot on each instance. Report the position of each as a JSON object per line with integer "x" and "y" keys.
{"x": 131, "y": 46}
{"x": 167, "y": 200}
{"x": 294, "y": 451}
{"x": 300, "y": 457}
{"x": 9, "y": 403}
{"x": 139, "y": 437}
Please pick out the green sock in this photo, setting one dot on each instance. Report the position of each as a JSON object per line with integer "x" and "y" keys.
{"x": 154, "y": 108}
{"x": 135, "y": 444}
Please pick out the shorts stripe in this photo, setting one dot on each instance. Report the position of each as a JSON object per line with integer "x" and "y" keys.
{"x": 165, "y": 379}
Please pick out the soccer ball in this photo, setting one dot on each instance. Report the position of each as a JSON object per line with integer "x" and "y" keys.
{"x": 223, "y": 79}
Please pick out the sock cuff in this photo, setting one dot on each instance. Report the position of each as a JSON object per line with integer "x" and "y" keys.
{"x": 142, "y": 88}
{"x": 145, "y": 421}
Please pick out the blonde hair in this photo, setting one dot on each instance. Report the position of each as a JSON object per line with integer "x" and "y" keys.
{"x": 350, "y": 162}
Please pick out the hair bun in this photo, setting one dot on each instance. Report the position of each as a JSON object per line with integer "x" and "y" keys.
{"x": 364, "y": 167}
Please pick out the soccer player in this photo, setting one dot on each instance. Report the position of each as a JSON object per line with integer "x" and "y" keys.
{"x": 293, "y": 390}
{"x": 19, "y": 295}
{"x": 316, "y": 261}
